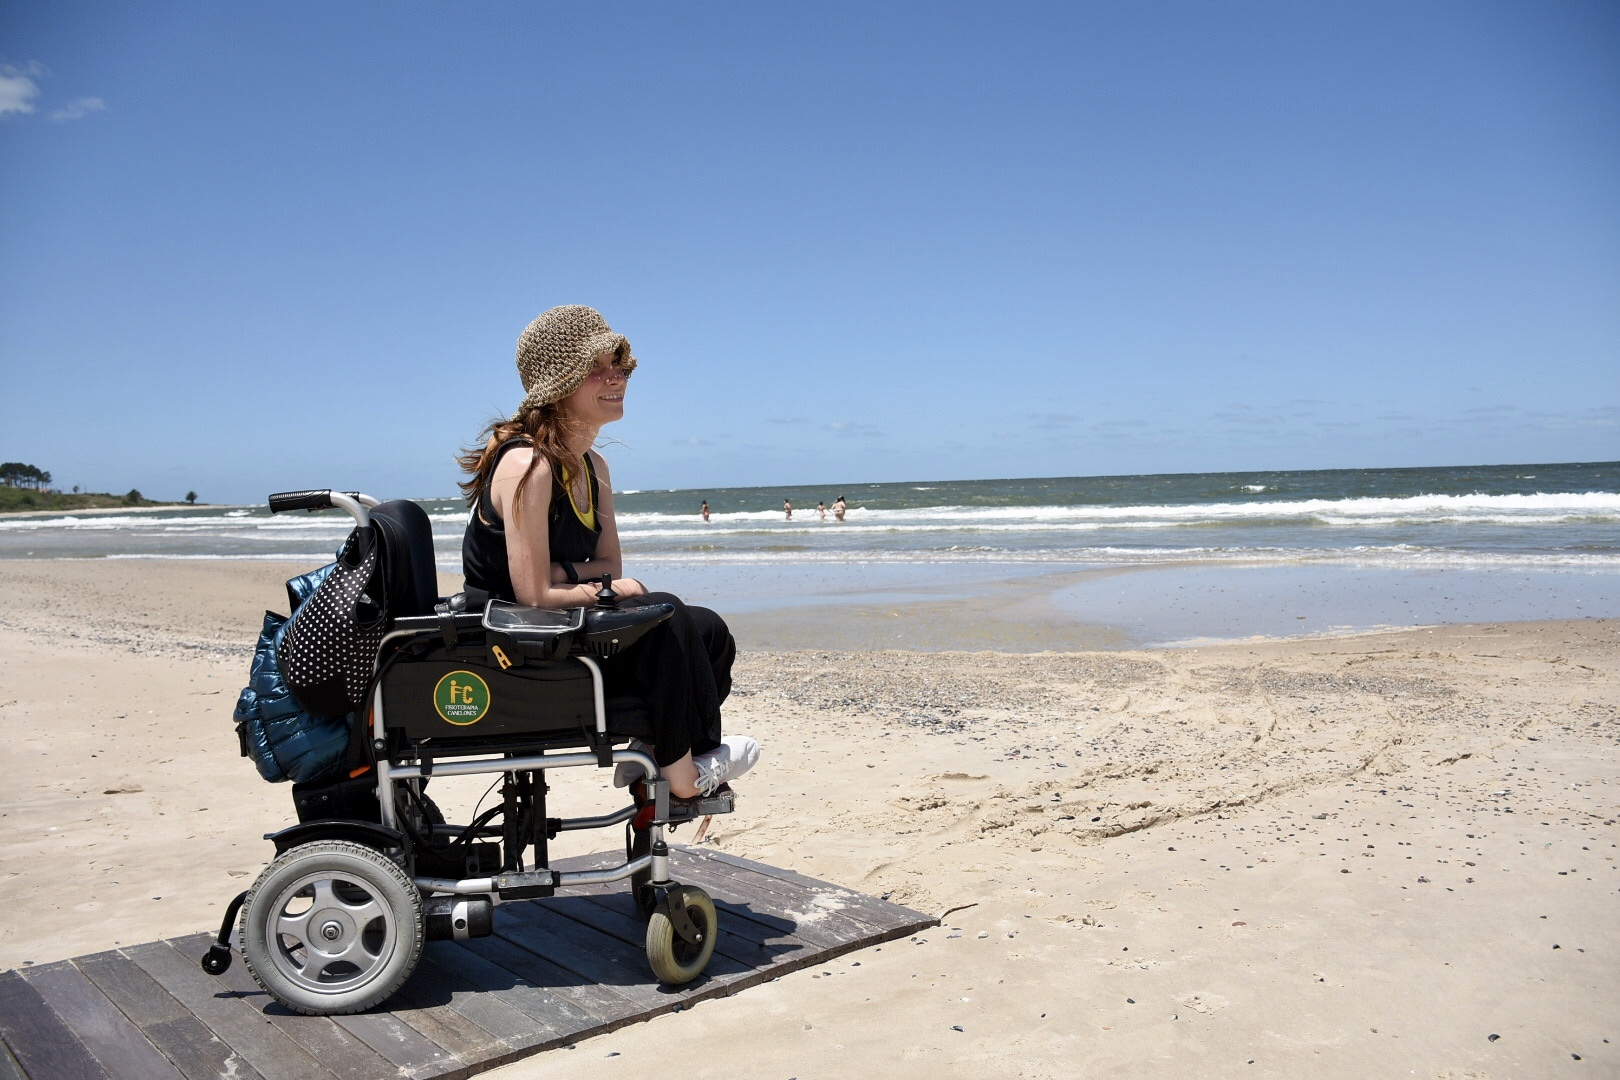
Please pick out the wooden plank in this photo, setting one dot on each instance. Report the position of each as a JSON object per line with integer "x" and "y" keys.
{"x": 878, "y": 913}
{"x": 343, "y": 1055}
{"x": 107, "y": 1033}
{"x": 182, "y": 1038}
{"x": 600, "y": 1003}
{"x": 787, "y": 905}
{"x": 778, "y": 911}
{"x": 627, "y": 933}
{"x": 591, "y": 956}
{"x": 542, "y": 1005}
{"x": 9, "y": 1067}
{"x": 772, "y": 904}
{"x": 398, "y": 1042}
{"x": 764, "y": 951}
{"x": 859, "y": 908}
{"x": 237, "y": 1024}
{"x": 615, "y": 913}
{"x": 767, "y": 952}
{"x": 763, "y": 927}
{"x": 43, "y": 1045}
{"x": 778, "y": 905}
{"x": 746, "y": 940}
{"x": 443, "y": 1026}
{"x": 524, "y": 1016}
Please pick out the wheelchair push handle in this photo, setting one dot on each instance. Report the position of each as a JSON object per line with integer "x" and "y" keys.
{"x": 353, "y": 502}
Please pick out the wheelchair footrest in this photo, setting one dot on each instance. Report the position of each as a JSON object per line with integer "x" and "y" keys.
{"x": 721, "y": 802}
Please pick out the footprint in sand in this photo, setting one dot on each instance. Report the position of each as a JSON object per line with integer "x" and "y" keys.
{"x": 1204, "y": 1002}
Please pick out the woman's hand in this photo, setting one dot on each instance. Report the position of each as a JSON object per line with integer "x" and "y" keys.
{"x": 626, "y": 587}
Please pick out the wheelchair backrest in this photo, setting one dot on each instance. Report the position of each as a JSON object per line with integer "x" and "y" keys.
{"x": 405, "y": 540}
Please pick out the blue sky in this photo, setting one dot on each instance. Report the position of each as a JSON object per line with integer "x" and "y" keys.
{"x": 253, "y": 247}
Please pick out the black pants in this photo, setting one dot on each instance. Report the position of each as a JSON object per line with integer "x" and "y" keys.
{"x": 683, "y": 670}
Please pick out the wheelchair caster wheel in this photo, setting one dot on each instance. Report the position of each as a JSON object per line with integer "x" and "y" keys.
{"x": 217, "y": 961}
{"x": 680, "y": 935}
{"x": 332, "y": 927}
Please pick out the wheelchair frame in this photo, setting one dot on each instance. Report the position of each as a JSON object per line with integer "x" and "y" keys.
{"x": 336, "y": 923}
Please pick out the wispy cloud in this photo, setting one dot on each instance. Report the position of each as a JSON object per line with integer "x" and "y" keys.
{"x": 1244, "y": 414}
{"x": 78, "y": 109}
{"x": 849, "y": 427}
{"x": 1606, "y": 417}
{"x": 1115, "y": 428}
{"x": 19, "y": 91}
{"x": 18, "y": 88}
{"x": 788, "y": 420}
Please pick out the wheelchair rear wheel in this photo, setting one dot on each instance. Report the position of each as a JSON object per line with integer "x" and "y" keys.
{"x": 674, "y": 959}
{"x": 332, "y": 927}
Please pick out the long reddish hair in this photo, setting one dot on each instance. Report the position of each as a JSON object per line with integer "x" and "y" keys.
{"x": 542, "y": 425}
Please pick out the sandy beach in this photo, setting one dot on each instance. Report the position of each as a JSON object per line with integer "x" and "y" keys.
{"x": 1372, "y": 855}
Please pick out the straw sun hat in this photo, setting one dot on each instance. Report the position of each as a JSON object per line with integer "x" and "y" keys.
{"x": 556, "y": 352}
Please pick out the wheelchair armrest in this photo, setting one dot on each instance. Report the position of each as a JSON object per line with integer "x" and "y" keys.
{"x": 540, "y": 633}
{"x": 608, "y": 631}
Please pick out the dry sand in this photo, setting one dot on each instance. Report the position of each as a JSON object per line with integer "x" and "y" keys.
{"x": 1391, "y": 854}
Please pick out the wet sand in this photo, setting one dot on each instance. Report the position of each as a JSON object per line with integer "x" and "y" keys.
{"x": 1031, "y": 607}
{"x": 1342, "y": 857}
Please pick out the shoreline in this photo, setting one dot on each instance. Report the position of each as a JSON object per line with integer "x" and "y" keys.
{"x": 1013, "y": 610}
{"x": 89, "y": 510}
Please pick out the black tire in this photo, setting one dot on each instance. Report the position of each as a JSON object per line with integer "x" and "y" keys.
{"x": 332, "y": 927}
{"x": 674, "y": 960}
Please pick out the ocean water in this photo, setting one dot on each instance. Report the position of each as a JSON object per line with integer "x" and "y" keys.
{"x": 1520, "y": 515}
{"x": 1548, "y": 534}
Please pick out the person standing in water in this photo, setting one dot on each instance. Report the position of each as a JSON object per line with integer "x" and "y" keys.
{"x": 787, "y": 508}
{"x": 838, "y": 508}
{"x": 704, "y": 510}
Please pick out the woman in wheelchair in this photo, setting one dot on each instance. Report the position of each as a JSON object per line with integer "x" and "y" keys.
{"x": 542, "y": 533}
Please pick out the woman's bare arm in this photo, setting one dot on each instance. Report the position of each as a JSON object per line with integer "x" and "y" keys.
{"x": 528, "y": 535}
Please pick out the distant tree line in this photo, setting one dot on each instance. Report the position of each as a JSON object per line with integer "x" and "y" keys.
{"x": 17, "y": 474}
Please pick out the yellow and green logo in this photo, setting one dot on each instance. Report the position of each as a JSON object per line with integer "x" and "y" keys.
{"x": 462, "y": 698}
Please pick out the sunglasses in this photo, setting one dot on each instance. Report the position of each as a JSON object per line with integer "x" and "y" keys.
{"x": 610, "y": 372}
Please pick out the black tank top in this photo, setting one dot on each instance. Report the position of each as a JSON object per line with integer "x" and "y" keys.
{"x": 483, "y": 547}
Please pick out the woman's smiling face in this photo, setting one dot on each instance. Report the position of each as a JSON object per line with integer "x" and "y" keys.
{"x": 600, "y": 398}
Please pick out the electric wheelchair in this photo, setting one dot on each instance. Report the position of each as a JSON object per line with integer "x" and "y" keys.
{"x": 336, "y": 923}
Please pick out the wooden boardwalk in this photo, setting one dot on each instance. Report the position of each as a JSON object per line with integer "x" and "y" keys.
{"x": 554, "y": 971}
